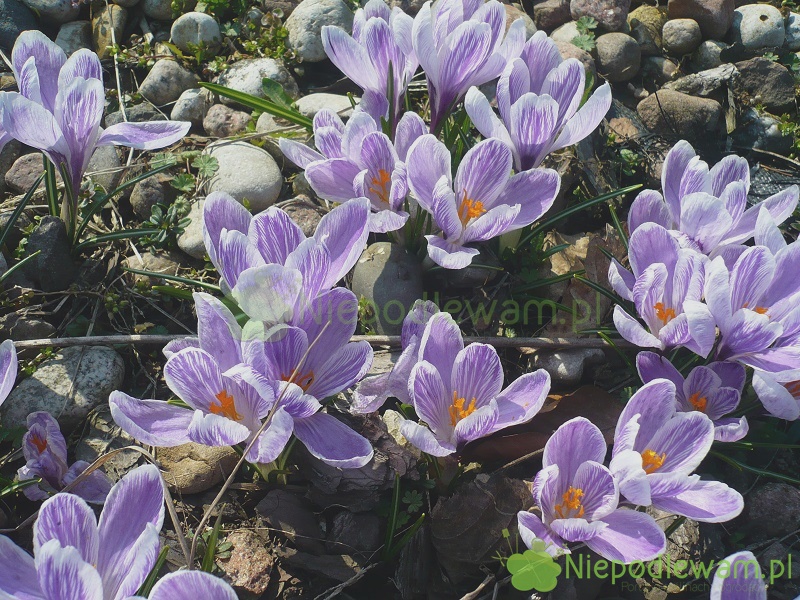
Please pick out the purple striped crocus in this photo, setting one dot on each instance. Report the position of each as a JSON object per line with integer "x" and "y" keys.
{"x": 665, "y": 284}
{"x": 779, "y": 393}
{"x": 8, "y": 369}
{"x": 656, "y": 450}
{"x": 45, "y": 451}
{"x": 461, "y": 43}
{"x": 358, "y": 160}
{"x": 579, "y": 501}
{"x": 77, "y": 557}
{"x": 190, "y": 585}
{"x": 378, "y": 55}
{"x": 539, "y": 95}
{"x": 483, "y": 201}
{"x": 458, "y": 391}
{"x": 738, "y": 577}
{"x": 714, "y": 389}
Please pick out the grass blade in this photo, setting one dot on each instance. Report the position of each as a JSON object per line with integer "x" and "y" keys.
{"x": 19, "y": 265}
{"x": 116, "y": 235}
{"x": 260, "y": 104}
{"x": 20, "y": 207}
{"x": 178, "y": 278}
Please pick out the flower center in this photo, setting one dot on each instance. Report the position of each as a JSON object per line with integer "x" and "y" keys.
{"x": 303, "y": 380}
{"x": 41, "y": 444}
{"x": 652, "y": 461}
{"x": 762, "y": 310}
{"x": 570, "y": 506}
{"x": 665, "y": 315}
{"x": 226, "y": 407}
{"x": 469, "y": 209}
{"x": 793, "y": 388}
{"x": 381, "y": 185}
{"x": 457, "y": 409}
{"x": 698, "y": 402}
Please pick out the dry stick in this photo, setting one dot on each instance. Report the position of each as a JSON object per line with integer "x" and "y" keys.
{"x": 335, "y": 591}
{"x": 474, "y": 594}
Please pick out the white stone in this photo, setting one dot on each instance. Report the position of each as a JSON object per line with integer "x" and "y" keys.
{"x": 758, "y": 26}
{"x": 792, "y": 40}
{"x": 195, "y": 29}
{"x": 246, "y": 172}
{"x": 74, "y": 36}
{"x": 166, "y": 81}
{"x": 191, "y": 240}
{"x": 192, "y": 106}
{"x": 313, "y": 103}
{"x": 305, "y": 25}
{"x": 246, "y": 75}
{"x": 58, "y": 11}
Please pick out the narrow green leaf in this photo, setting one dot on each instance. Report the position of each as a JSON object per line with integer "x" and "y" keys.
{"x": 147, "y": 585}
{"x": 275, "y": 92}
{"x": 51, "y": 187}
{"x": 178, "y": 278}
{"x": 19, "y": 265}
{"x": 260, "y": 104}
{"x": 211, "y": 546}
{"x": 115, "y": 235}
{"x": 18, "y": 210}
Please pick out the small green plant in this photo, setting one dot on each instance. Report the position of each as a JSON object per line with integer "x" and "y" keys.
{"x": 585, "y": 39}
{"x": 170, "y": 221}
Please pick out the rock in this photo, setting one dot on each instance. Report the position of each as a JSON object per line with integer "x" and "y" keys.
{"x": 24, "y": 173}
{"x": 618, "y": 57}
{"x": 670, "y": 112}
{"x": 223, "y": 121}
{"x": 354, "y": 533}
{"x": 250, "y": 564}
{"x": 773, "y": 510}
{"x": 74, "y": 36}
{"x": 566, "y": 367}
{"x": 193, "y": 30}
{"x": 191, "y": 240}
{"x": 390, "y": 278}
{"x": 8, "y": 155}
{"x": 757, "y": 26}
{"x": 568, "y": 50}
{"x": 55, "y": 11}
{"x": 114, "y": 18}
{"x": 339, "y": 567}
{"x": 246, "y": 172}
{"x": 483, "y": 269}
{"x": 166, "y": 82}
{"x": 551, "y": 13}
{"x": 126, "y": 3}
{"x": 53, "y": 269}
{"x": 609, "y": 14}
{"x": 313, "y": 103}
{"x": 792, "y": 38}
{"x": 393, "y": 419}
{"x": 18, "y": 326}
{"x": 659, "y": 69}
{"x": 15, "y": 18}
{"x": 165, "y": 262}
{"x": 708, "y": 55}
{"x": 513, "y": 13}
{"x": 305, "y": 213}
{"x": 292, "y": 517}
{"x": 160, "y": 10}
{"x": 681, "y": 36}
{"x": 246, "y": 75}
{"x": 14, "y": 237}
{"x": 705, "y": 83}
{"x": 761, "y": 131}
{"x": 192, "y": 106}
{"x": 102, "y": 435}
{"x": 566, "y": 33}
{"x": 68, "y": 386}
{"x": 301, "y": 187}
{"x": 193, "y": 468}
{"x": 714, "y": 16}
{"x": 105, "y": 167}
{"x": 305, "y": 24}
{"x": 646, "y": 23}
{"x": 139, "y": 113}
{"x": 765, "y": 82}
{"x": 151, "y": 191}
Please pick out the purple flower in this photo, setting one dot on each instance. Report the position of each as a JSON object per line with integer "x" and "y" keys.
{"x": 579, "y": 500}
{"x": 60, "y": 104}
{"x": 45, "y": 451}
{"x": 656, "y": 449}
{"x": 78, "y": 557}
{"x": 779, "y": 393}
{"x": 190, "y": 585}
{"x": 538, "y": 96}
{"x": 8, "y": 369}
{"x": 381, "y": 40}
{"x": 484, "y": 201}
{"x": 666, "y": 285}
{"x": 461, "y": 43}
{"x": 706, "y": 207}
{"x": 373, "y": 391}
{"x": 714, "y": 390}
{"x": 358, "y": 160}
{"x": 458, "y": 392}
{"x": 738, "y": 577}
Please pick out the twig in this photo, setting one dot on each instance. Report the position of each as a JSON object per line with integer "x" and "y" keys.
{"x": 490, "y": 578}
{"x": 335, "y": 591}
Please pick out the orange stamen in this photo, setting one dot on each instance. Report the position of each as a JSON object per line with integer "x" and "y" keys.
{"x": 651, "y": 461}
{"x": 469, "y": 209}
{"x": 381, "y": 185}
{"x": 303, "y": 380}
{"x": 698, "y": 402}
{"x": 40, "y": 443}
{"x": 226, "y": 406}
{"x": 570, "y": 506}
{"x": 458, "y": 411}
{"x": 665, "y": 315}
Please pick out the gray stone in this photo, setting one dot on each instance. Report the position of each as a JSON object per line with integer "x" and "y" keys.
{"x": 192, "y": 106}
{"x": 354, "y": 533}
{"x": 681, "y": 36}
{"x": 301, "y": 187}
{"x": 160, "y": 10}
{"x": 659, "y": 69}
{"x": 53, "y": 269}
{"x": 761, "y": 131}
{"x": 14, "y": 237}
{"x": 24, "y": 172}
{"x": 792, "y": 39}
{"x": 646, "y": 23}
{"x": 305, "y": 25}
{"x": 168, "y": 263}
{"x": 713, "y": 16}
{"x": 551, "y": 13}
{"x": 292, "y": 516}
{"x": 194, "y": 30}
{"x": 223, "y": 121}
{"x": 305, "y": 213}
{"x": 513, "y": 13}
{"x": 105, "y": 167}
{"x": 764, "y": 82}
{"x": 705, "y": 83}
{"x": 56, "y": 11}
{"x": 566, "y": 33}
{"x": 246, "y": 172}
{"x": 8, "y": 155}
{"x": 773, "y": 510}
{"x": 708, "y": 55}
{"x": 151, "y": 191}
{"x": 17, "y": 326}
{"x": 246, "y": 75}
{"x": 671, "y": 112}
{"x": 566, "y": 367}
{"x": 249, "y": 566}
{"x": 68, "y": 386}
{"x": 126, "y": 3}
{"x": 74, "y": 36}
{"x": 609, "y": 14}
{"x": 483, "y": 269}
{"x": 166, "y": 82}
{"x": 139, "y": 113}
{"x": 193, "y": 468}
{"x": 15, "y": 18}
{"x": 390, "y": 278}
{"x": 101, "y": 436}
{"x": 757, "y": 26}
{"x": 568, "y": 50}
{"x": 618, "y": 57}
{"x": 108, "y": 20}
{"x": 191, "y": 240}
{"x": 313, "y": 103}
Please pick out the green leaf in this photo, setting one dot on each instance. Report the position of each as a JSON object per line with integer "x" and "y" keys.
{"x": 18, "y": 210}
{"x": 163, "y": 159}
{"x": 206, "y": 165}
{"x": 261, "y": 104}
{"x": 275, "y": 92}
{"x": 184, "y": 182}
{"x": 533, "y": 569}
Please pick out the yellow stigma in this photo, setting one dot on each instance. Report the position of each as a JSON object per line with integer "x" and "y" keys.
{"x": 570, "y": 506}
{"x": 303, "y": 380}
{"x": 698, "y": 402}
{"x": 469, "y": 209}
{"x": 651, "y": 461}
{"x": 41, "y": 444}
{"x": 665, "y": 315}
{"x": 381, "y": 185}
{"x": 457, "y": 409}
{"x": 226, "y": 407}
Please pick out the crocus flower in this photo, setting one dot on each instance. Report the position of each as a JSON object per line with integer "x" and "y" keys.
{"x": 458, "y": 392}
{"x": 484, "y": 201}
{"x": 45, "y": 451}
{"x": 738, "y": 577}
{"x": 656, "y": 450}
{"x": 8, "y": 369}
{"x": 460, "y": 43}
{"x": 706, "y": 207}
{"x": 714, "y": 389}
{"x": 381, "y": 41}
{"x": 190, "y": 585}
{"x": 666, "y": 285}
{"x": 579, "y": 501}
{"x": 358, "y": 160}
{"x": 78, "y": 557}
{"x": 60, "y": 104}
{"x": 780, "y": 394}
{"x": 373, "y": 391}
{"x": 538, "y": 96}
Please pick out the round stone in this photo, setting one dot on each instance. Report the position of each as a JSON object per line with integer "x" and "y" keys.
{"x": 246, "y": 172}
{"x": 196, "y": 30}
{"x": 758, "y": 26}
{"x": 305, "y": 25}
{"x": 681, "y": 36}
{"x": 618, "y": 57}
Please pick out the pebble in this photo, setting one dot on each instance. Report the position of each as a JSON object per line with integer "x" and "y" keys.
{"x": 681, "y": 36}
{"x": 74, "y": 36}
{"x": 151, "y": 191}
{"x": 305, "y": 213}
{"x": 192, "y": 106}
{"x": 105, "y": 167}
{"x": 24, "y": 172}
{"x": 765, "y": 82}
{"x": 551, "y": 13}
{"x": 18, "y": 326}
{"x": 193, "y": 468}
{"x": 513, "y": 13}
{"x": 705, "y": 83}
{"x": 246, "y": 75}
{"x": 674, "y": 113}
{"x": 55, "y": 11}
{"x": 659, "y": 69}
{"x": 351, "y": 533}
{"x": 223, "y": 121}
{"x": 762, "y": 131}
{"x": 618, "y": 57}
{"x": 313, "y": 103}
{"x": 707, "y": 55}
{"x": 194, "y": 30}
{"x": 104, "y": 436}
{"x": 139, "y": 113}
{"x": 126, "y": 3}
{"x": 15, "y": 18}
{"x": 773, "y": 509}
{"x": 646, "y": 23}
{"x": 305, "y": 24}
{"x": 757, "y": 26}
{"x": 53, "y": 270}
{"x": 114, "y": 18}
{"x": 191, "y": 240}
{"x": 566, "y": 33}
{"x": 68, "y": 386}
{"x": 568, "y": 50}
{"x": 792, "y": 40}
{"x": 246, "y": 172}
{"x": 160, "y": 10}
{"x": 166, "y": 82}
{"x": 250, "y": 564}
{"x": 714, "y": 16}
{"x": 292, "y": 516}
{"x": 566, "y": 367}
{"x": 167, "y": 262}
{"x": 609, "y": 14}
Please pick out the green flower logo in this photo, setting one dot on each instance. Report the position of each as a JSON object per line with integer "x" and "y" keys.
{"x": 534, "y": 569}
